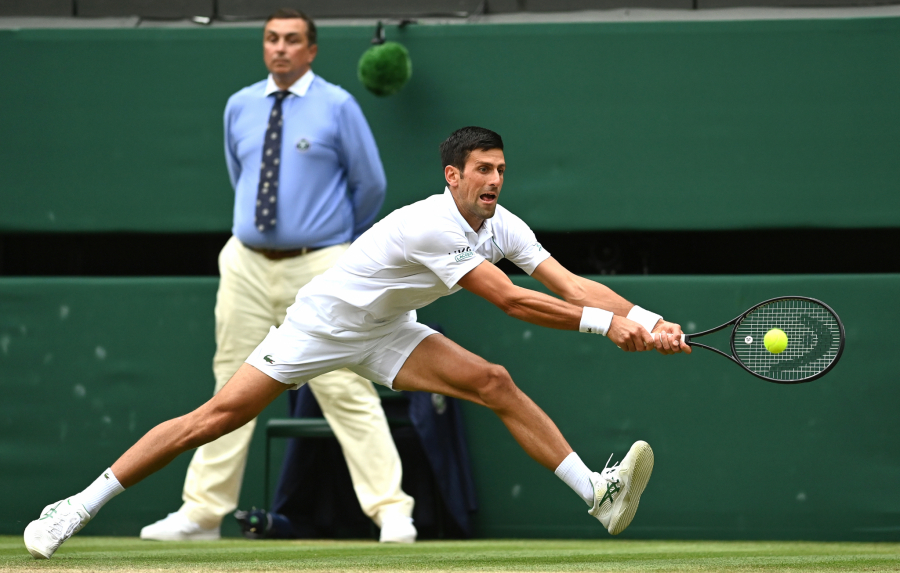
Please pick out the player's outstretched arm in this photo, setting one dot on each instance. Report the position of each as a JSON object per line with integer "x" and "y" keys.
{"x": 492, "y": 284}
{"x": 580, "y": 291}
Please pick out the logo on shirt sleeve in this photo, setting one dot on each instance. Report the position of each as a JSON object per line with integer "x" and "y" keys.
{"x": 538, "y": 246}
{"x": 462, "y": 254}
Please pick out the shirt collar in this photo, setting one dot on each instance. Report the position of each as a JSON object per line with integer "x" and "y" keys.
{"x": 483, "y": 234}
{"x": 298, "y": 88}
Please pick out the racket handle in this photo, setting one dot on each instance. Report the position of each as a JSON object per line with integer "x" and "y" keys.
{"x": 656, "y": 337}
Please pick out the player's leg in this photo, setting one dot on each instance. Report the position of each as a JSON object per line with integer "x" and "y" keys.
{"x": 246, "y": 395}
{"x": 439, "y": 365}
{"x": 241, "y": 400}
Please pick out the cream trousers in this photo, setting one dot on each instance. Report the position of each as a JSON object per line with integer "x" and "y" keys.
{"x": 254, "y": 294}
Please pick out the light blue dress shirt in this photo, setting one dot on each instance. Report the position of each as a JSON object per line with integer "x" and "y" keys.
{"x": 331, "y": 181}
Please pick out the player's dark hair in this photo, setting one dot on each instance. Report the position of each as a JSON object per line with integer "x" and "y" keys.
{"x": 455, "y": 150}
{"x": 289, "y": 13}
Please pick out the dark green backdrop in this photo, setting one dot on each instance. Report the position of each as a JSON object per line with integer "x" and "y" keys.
{"x": 672, "y": 125}
{"x": 87, "y": 366}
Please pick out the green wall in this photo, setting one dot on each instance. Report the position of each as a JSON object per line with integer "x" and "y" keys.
{"x": 666, "y": 125}
{"x": 88, "y": 365}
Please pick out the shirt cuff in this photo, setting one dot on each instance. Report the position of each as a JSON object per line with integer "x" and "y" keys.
{"x": 465, "y": 268}
{"x": 534, "y": 262}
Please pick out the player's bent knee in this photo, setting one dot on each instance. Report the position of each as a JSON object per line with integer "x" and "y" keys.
{"x": 496, "y": 386}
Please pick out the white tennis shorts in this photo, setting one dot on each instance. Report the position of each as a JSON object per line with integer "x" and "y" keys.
{"x": 293, "y": 356}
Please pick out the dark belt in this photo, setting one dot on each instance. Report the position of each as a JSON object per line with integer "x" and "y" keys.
{"x": 277, "y": 255}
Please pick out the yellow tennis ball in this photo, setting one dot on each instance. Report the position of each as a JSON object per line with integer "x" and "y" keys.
{"x": 776, "y": 341}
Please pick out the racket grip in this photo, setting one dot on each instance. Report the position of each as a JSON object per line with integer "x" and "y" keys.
{"x": 655, "y": 336}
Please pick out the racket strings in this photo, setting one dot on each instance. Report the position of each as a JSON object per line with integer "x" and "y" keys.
{"x": 813, "y": 333}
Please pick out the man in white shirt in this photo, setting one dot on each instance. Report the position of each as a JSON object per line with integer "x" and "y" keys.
{"x": 361, "y": 315}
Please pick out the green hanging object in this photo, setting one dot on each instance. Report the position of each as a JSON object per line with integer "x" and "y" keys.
{"x": 385, "y": 67}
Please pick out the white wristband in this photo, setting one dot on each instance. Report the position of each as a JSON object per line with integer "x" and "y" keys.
{"x": 643, "y": 317}
{"x": 595, "y": 320}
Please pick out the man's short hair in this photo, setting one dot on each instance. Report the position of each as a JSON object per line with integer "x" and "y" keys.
{"x": 289, "y": 13}
{"x": 455, "y": 150}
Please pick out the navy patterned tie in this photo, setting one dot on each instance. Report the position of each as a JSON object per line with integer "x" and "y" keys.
{"x": 267, "y": 194}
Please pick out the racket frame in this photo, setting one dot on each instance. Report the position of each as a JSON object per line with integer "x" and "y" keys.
{"x": 737, "y": 320}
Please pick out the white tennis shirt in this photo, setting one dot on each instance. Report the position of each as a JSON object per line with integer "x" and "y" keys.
{"x": 404, "y": 262}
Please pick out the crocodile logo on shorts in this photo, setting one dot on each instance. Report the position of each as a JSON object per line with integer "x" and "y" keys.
{"x": 268, "y": 358}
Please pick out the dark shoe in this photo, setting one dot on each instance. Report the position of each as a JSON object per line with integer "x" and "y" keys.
{"x": 255, "y": 524}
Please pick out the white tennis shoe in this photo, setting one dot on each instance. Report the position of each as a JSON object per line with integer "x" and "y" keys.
{"x": 177, "y": 527}
{"x": 58, "y": 522}
{"x": 617, "y": 489}
{"x": 397, "y": 529}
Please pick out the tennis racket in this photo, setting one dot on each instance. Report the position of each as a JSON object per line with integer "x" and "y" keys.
{"x": 815, "y": 339}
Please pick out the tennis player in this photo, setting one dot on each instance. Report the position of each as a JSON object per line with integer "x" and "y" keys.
{"x": 361, "y": 314}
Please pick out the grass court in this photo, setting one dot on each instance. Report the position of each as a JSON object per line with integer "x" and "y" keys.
{"x": 130, "y": 554}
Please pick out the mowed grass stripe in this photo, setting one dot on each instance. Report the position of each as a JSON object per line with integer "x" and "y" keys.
{"x": 130, "y": 554}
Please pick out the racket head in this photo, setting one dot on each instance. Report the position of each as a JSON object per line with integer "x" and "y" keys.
{"x": 815, "y": 339}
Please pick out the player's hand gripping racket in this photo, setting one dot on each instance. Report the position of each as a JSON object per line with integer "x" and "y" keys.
{"x": 815, "y": 339}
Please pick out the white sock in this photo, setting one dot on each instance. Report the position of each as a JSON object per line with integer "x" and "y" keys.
{"x": 98, "y": 493}
{"x": 577, "y": 476}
